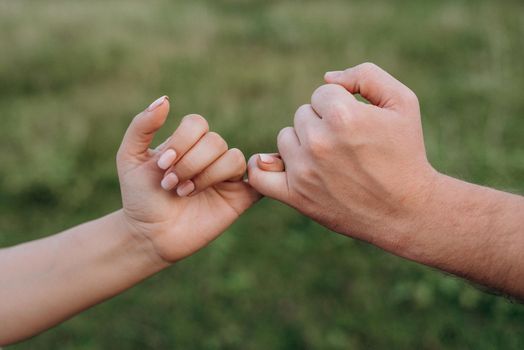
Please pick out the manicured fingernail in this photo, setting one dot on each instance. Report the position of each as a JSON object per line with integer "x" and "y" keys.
{"x": 266, "y": 158}
{"x": 166, "y": 159}
{"x": 158, "y": 102}
{"x": 169, "y": 181}
{"x": 185, "y": 188}
{"x": 332, "y": 75}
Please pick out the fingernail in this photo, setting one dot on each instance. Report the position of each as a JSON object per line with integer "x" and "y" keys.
{"x": 266, "y": 158}
{"x": 166, "y": 159}
{"x": 332, "y": 75}
{"x": 185, "y": 188}
{"x": 158, "y": 102}
{"x": 169, "y": 181}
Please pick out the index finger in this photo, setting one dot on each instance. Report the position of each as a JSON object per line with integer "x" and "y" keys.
{"x": 191, "y": 129}
{"x": 332, "y": 101}
{"x": 375, "y": 85}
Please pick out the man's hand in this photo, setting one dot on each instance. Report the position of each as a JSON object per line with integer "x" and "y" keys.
{"x": 187, "y": 191}
{"x": 360, "y": 169}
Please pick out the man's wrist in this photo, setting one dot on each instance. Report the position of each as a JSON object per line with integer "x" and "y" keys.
{"x": 415, "y": 211}
{"x": 467, "y": 230}
{"x": 420, "y": 227}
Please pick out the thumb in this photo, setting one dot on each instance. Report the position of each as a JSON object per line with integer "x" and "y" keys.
{"x": 269, "y": 179}
{"x": 141, "y": 131}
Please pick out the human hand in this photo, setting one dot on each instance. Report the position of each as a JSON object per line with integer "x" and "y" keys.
{"x": 187, "y": 191}
{"x": 359, "y": 169}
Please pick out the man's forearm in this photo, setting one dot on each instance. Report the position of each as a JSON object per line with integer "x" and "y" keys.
{"x": 47, "y": 281}
{"x": 471, "y": 231}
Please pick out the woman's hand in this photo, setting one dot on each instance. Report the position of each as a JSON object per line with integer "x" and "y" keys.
{"x": 187, "y": 191}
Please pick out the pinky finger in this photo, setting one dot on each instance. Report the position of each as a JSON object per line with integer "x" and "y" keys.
{"x": 231, "y": 166}
{"x": 270, "y": 162}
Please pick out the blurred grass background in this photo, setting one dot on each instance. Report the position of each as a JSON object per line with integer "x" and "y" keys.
{"x": 73, "y": 73}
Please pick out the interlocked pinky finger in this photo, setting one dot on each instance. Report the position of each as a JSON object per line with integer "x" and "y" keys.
{"x": 270, "y": 162}
{"x": 231, "y": 166}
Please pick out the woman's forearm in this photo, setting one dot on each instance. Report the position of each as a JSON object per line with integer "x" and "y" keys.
{"x": 49, "y": 280}
{"x": 472, "y": 231}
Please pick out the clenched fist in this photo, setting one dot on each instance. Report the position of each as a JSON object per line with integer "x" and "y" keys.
{"x": 359, "y": 169}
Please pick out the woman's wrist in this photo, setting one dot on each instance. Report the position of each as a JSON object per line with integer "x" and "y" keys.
{"x": 82, "y": 266}
{"x": 137, "y": 245}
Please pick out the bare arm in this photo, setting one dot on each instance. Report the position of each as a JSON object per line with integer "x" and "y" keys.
{"x": 472, "y": 231}
{"x": 47, "y": 281}
{"x": 361, "y": 170}
{"x": 176, "y": 199}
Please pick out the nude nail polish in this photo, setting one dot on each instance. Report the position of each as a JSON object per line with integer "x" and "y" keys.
{"x": 157, "y": 103}
{"x": 169, "y": 181}
{"x": 166, "y": 159}
{"x": 266, "y": 158}
{"x": 185, "y": 188}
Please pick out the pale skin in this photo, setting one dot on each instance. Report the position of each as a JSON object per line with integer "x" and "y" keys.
{"x": 361, "y": 170}
{"x": 176, "y": 199}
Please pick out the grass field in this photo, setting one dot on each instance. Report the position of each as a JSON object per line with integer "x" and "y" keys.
{"x": 72, "y": 75}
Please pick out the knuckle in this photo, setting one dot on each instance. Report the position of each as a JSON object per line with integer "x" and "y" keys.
{"x": 338, "y": 110}
{"x": 319, "y": 91}
{"x": 305, "y": 174}
{"x": 302, "y": 110}
{"x": 216, "y": 140}
{"x": 285, "y": 138}
{"x": 238, "y": 161}
{"x": 238, "y": 157}
{"x": 302, "y": 114}
{"x": 345, "y": 122}
{"x": 317, "y": 145}
{"x": 338, "y": 114}
{"x": 328, "y": 94}
{"x": 324, "y": 90}
{"x": 197, "y": 120}
{"x": 367, "y": 67}
{"x": 252, "y": 160}
{"x": 410, "y": 97}
{"x": 317, "y": 94}
{"x": 351, "y": 124}
{"x": 282, "y": 134}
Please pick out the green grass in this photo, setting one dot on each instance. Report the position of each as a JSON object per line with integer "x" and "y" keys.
{"x": 72, "y": 74}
